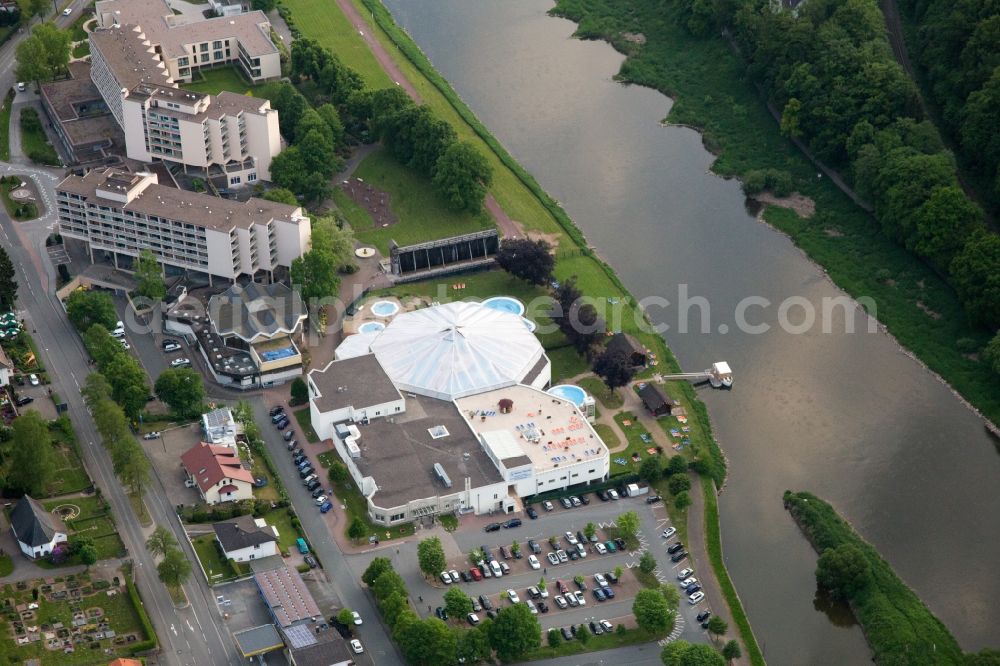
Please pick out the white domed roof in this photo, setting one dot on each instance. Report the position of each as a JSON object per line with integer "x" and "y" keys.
{"x": 456, "y": 349}
{"x": 355, "y": 345}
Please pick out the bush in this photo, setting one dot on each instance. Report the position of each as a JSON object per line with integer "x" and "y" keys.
{"x": 678, "y": 483}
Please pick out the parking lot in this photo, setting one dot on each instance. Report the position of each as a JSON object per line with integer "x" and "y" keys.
{"x": 653, "y": 520}
{"x": 165, "y": 454}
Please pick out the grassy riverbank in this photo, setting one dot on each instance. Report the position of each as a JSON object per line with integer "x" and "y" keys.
{"x": 900, "y": 629}
{"x": 712, "y": 92}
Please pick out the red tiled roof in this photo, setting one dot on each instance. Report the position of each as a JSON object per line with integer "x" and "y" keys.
{"x": 210, "y": 464}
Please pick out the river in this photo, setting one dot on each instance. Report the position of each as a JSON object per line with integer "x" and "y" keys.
{"x": 846, "y": 416}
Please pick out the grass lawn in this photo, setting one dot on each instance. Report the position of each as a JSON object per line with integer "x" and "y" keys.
{"x": 287, "y": 534}
{"x": 355, "y": 215}
{"x": 139, "y": 509}
{"x": 357, "y": 507}
{"x": 6, "y": 565}
{"x": 119, "y": 613}
{"x": 17, "y": 211}
{"x": 82, "y": 49}
{"x": 596, "y": 387}
{"x": 216, "y": 569}
{"x": 305, "y": 423}
{"x": 214, "y": 81}
{"x": 609, "y": 436}
{"x": 95, "y": 521}
{"x": 68, "y": 476}
{"x": 34, "y": 143}
{"x": 76, "y": 31}
{"x": 566, "y": 363}
{"x": 596, "y": 643}
{"x": 422, "y": 214}
{"x": 5, "y": 125}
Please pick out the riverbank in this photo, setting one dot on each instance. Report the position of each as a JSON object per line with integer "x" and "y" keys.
{"x": 898, "y": 626}
{"x": 712, "y": 92}
{"x": 523, "y": 199}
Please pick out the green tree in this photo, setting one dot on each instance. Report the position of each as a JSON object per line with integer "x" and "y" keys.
{"x": 555, "y": 637}
{"x": 652, "y": 613}
{"x": 44, "y": 54}
{"x": 31, "y": 457}
{"x": 731, "y": 651}
{"x": 37, "y": 8}
{"x": 651, "y": 469}
{"x": 613, "y": 366}
{"x": 175, "y": 569}
{"x": 583, "y": 634}
{"x": 149, "y": 276}
{"x": 527, "y": 259}
{"x": 672, "y": 596}
{"x": 679, "y": 483}
{"x": 790, "y": 119}
{"x": 717, "y": 626}
{"x": 182, "y": 389}
{"x": 281, "y": 195}
{"x": 462, "y": 176}
{"x": 88, "y": 553}
{"x": 330, "y": 115}
{"x": 8, "y": 283}
{"x": 428, "y": 642}
{"x": 345, "y": 617}
{"x": 514, "y": 631}
{"x": 387, "y": 583}
{"x": 430, "y": 556}
{"x": 677, "y": 465}
{"x": 101, "y": 346}
{"x": 590, "y": 530}
{"x": 976, "y": 275}
{"x": 339, "y": 473}
{"x": 991, "y": 353}
{"x": 315, "y": 272}
{"x": 129, "y": 386}
{"x": 88, "y": 307}
{"x": 357, "y": 529}
{"x": 844, "y": 571}
{"x": 682, "y": 653}
{"x": 682, "y": 500}
{"x": 945, "y": 221}
{"x": 263, "y": 5}
{"x": 628, "y": 525}
{"x": 160, "y": 541}
{"x": 473, "y": 645}
{"x": 132, "y": 466}
{"x": 619, "y": 571}
{"x": 299, "y": 391}
{"x": 376, "y": 568}
{"x": 457, "y": 603}
{"x": 392, "y": 606}
{"x": 647, "y": 563}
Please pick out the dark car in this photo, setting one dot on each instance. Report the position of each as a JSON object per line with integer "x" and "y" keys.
{"x": 653, "y": 499}
{"x": 531, "y": 513}
{"x": 487, "y": 553}
{"x": 490, "y": 614}
{"x": 704, "y": 615}
{"x": 542, "y": 607}
{"x": 602, "y": 495}
{"x": 466, "y": 576}
{"x": 311, "y": 561}
{"x": 306, "y": 471}
{"x": 279, "y": 416}
{"x": 24, "y": 400}
{"x": 492, "y": 527}
{"x": 573, "y": 554}
{"x": 566, "y": 633}
{"x": 518, "y": 554}
{"x": 313, "y": 485}
{"x": 288, "y": 435}
{"x": 513, "y": 522}
{"x": 274, "y": 410}
{"x": 612, "y": 578}
{"x": 584, "y": 500}
{"x": 581, "y": 537}
{"x": 566, "y": 503}
{"x": 304, "y": 462}
{"x": 620, "y": 542}
{"x": 692, "y": 588}
{"x": 533, "y": 545}
{"x": 317, "y": 491}
{"x": 485, "y": 601}
{"x": 674, "y": 548}
{"x": 441, "y": 613}
{"x": 581, "y": 584}
{"x": 679, "y": 556}
{"x": 281, "y": 425}
{"x": 599, "y": 594}
{"x": 505, "y": 552}
{"x": 608, "y": 592}
{"x": 596, "y": 628}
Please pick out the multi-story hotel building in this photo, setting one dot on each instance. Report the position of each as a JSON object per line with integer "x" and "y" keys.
{"x": 140, "y": 53}
{"x": 123, "y": 214}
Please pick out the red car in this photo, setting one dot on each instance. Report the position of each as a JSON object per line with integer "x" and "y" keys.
{"x": 476, "y": 575}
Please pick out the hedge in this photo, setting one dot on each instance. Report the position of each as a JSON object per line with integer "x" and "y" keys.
{"x": 147, "y": 626}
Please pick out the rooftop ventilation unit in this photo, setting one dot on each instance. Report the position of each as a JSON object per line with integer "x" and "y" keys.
{"x": 441, "y": 474}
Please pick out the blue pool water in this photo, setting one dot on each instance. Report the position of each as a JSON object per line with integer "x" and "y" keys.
{"x": 505, "y": 304}
{"x": 574, "y": 394}
{"x": 371, "y": 327}
{"x": 276, "y": 354}
{"x": 385, "y": 308}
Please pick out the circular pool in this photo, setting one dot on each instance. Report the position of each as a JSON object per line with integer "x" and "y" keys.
{"x": 574, "y": 394}
{"x": 371, "y": 327}
{"x": 385, "y": 308}
{"x": 530, "y": 325}
{"x": 505, "y": 304}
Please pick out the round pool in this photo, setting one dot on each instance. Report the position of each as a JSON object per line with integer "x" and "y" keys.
{"x": 505, "y": 304}
{"x": 530, "y": 325}
{"x": 574, "y": 394}
{"x": 371, "y": 327}
{"x": 385, "y": 308}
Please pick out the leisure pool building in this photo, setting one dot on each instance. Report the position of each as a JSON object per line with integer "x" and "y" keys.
{"x": 446, "y": 411}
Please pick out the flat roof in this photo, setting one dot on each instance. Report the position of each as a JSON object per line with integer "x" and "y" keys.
{"x": 202, "y": 210}
{"x": 130, "y": 60}
{"x": 354, "y": 382}
{"x": 258, "y": 640}
{"x": 254, "y": 310}
{"x": 286, "y": 595}
{"x": 400, "y": 454}
{"x": 550, "y": 431}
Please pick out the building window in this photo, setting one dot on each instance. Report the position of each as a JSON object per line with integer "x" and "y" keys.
{"x": 204, "y": 47}
{"x": 396, "y": 516}
{"x": 218, "y": 55}
{"x": 252, "y": 177}
{"x": 217, "y": 44}
{"x": 234, "y": 180}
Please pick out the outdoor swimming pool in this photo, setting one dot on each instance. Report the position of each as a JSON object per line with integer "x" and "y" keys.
{"x": 371, "y": 327}
{"x": 574, "y": 394}
{"x": 385, "y": 308}
{"x": 505, "y": 304}
{"x": 277, "y": 354}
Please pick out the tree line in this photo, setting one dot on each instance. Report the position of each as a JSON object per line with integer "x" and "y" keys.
{"x": 828, "y": 68}
{"x": 329, "y": 108}
{"x": 958, "y": 49}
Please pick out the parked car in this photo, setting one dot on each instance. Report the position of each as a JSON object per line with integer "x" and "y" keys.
{"x": 476, "y": 606}
{"x": 599, "y": 594}
{"x": 612, "y": 494}
{"x": 282, "y": 424}
{"x": 596, "y": 629}
{"x": 584, "y": 500}
{"x": 552, "y": 558}
{"x": 357, "y": 617}
{"x": 441, "y": 613}
{"x": 600, "y": 548}
{"x": 302, "y": 545}
{"x": 543, "y": 607}
{"x": 446, "y": 578}
{"x": 495, "y": 568}
{"x": 679, "y": 556}
{"x": 321, "y": 499}
{"x": 575, "y": 501}
{"x": 559, "y": 601}
{"x": 581, "y": 549}
{"x": 602, "y": 495}
{"x": 608, "y": 592}
{"x": 563, "y": 557}
{"x": 547, "y": 505}
{"x": 582, "y": 600}
{"x": 696, "y": 598}
{"x": 180, "y": 363}
{"x": 314, "y": 485}
{"x": 574, "y": 554}
{"x": 607, "y": 626}
{"x": 534, "y": 547}
{"x": 472, "y": 619}
{"x": 513, "y": 522}
{"x": 505, "y": 568}
{"x": 562, "y": 587}
{"x": 316, "y": 492}
{"x": 476, "y": 574}
{"x": 531, "y": 512}
{"x": 288, "y": 435}
{"x": 610, "y": 545}
{"x": 531, "y": 606}
{"x": 485, "y": 601}
{"x": 356, "y": 646}
{"x": 572, "y": 600}
{"x": 620, "y": 542}
{"x": 306, "y": 472}
{"x": 653, "y": 499}
{"x": 25, "y": 400}
{"x": 691, "y": 580}
{"x": 277, "y": 409}
{"x": 152, "y": 435}
{"x": 33, "y": 379}
{"x": 704, "y": 615}
{"x": 676, "y": 547}
{"x": 684, "y": 573}
{"x": 566, "y": 503}
{"x": 311, "y": 561}
{"x": 454, "y": 575}
{"x": 669, "y": 532}
{"x": 325, "y": 507}
{"x": 278, "y": 416}
{"x": 612, "y": 578}
{"x": 600, "y": 579}
{"x": 505, "y": 552}
{"x": 581, "y": 583}
{"x": 571, "y": 538}
{"x": 171, "y": 346}
{"x": 492, "y": 527}
{"x": 566, "y": 633}
{"x": 466, "y": 578}
{"x": 490, "y": 614}
{"x": 533, "y": 562}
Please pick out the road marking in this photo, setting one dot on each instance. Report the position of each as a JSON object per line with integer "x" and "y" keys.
{"x": 173, "y": 629}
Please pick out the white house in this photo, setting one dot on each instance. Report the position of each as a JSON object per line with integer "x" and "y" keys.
{"x": 37, "y": 531}
{"x": 245, "y": 538}
{"x": 218, "y": 473}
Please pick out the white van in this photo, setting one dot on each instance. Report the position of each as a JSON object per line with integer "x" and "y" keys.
{"x": 495, "y": 568}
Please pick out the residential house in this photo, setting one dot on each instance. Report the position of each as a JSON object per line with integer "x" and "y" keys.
{"x": 218, "y": 473}
{"x": 37, "y": 531}
{"x": 219, "y": 427}
{"x": 656, "y": 401}
{"x": 245, "y": 538}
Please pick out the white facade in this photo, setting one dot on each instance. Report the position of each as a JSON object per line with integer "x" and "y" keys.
{"x": 226, "y": 490}
{"x": 125, "y": 213}
{"x": 255, "y": 552}
{"x": 34, "y": 552}
{"x": 323, "y": 422}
